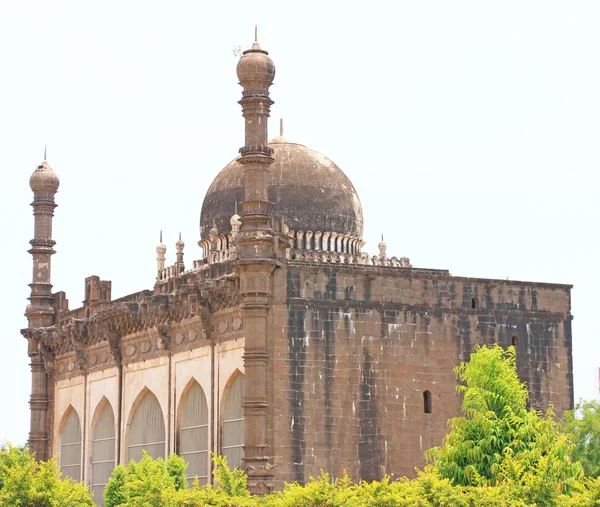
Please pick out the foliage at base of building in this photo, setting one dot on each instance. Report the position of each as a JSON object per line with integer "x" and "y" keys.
{"x": 498, "y": 453}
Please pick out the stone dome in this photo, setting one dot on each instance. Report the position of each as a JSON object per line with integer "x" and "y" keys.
{"x": 255, "y": 69}
{"x": 306, "y": 188}
{"x": 44, "y": 182}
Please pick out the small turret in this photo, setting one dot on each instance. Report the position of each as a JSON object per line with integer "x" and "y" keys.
{"x": 161, "y": 249}
{"x": 382, "y": 249}
{"x": 235, "y": 223}
{"x": 179, "y": 247}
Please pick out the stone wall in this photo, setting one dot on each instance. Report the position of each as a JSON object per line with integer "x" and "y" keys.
{"x": 356, "y": 348}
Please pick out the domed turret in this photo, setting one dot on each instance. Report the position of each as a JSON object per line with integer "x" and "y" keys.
{"x": 44, "y": 182}
{"x": 256, "y": 71}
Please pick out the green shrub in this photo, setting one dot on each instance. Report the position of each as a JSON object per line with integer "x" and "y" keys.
{"x": 27, "y": 483}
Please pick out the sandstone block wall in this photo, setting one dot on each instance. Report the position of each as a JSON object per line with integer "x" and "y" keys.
{"x": 355, "y": 349}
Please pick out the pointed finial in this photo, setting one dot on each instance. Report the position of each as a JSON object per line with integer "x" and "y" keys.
{"x": 382, "y": 236}
{"x": 179, "y": 235}
{"x": 236, "y": 208}
{"x": 281, "y": 126}
{"x": 161, "y": 236}
{"x": 255, "y": 33}
{"x": 45, "y": 146}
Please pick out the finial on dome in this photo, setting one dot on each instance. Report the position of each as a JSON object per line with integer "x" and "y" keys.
{"x": 256, "y": 70}
{"x": 255, "y": 33}
{"x": 45, "y": 146}
{"x": 281, "y": 126}
{"x": 161, "y": 246}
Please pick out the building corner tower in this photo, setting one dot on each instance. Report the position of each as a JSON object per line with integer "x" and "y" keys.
{"x": 40, "y": 311}
{"x": 256, "y": 260}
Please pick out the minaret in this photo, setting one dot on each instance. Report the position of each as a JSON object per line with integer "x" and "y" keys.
{"x": 256, "y": 261}
{"x": 179, "y": 247}
{"x": 40, "y": 311}
{"x": 161, "y": 249}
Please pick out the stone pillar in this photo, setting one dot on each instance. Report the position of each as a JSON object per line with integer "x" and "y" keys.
{"x": 256, "y": 260}
{"x": 40, "y": 312}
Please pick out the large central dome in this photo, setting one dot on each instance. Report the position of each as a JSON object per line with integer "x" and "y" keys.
{"x": 307, "y": 189}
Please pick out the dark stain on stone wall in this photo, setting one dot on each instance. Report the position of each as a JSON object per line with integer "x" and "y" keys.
{"x": 568, "y": 344}
{"x": 522, "y": 299}
{"x": 331, "y": 287}
{"x": 297, "y": 361}
{"x": 369, "y": 453}
{"x": 367, "y": 289}
{"x": 327, "y": 322}
{"x": 463, "y": 336}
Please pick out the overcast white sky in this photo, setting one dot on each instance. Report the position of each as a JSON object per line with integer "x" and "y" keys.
{"x": 471, "y": 130}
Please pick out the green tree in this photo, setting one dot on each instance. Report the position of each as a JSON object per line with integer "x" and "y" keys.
{"x": 232, "y": 482}
{"x": 176, "y": 467}
{"x": 497, "y": 439}
{"x": 25, "y": 482}
{"x": 113, "y": 492}
{"x": 583, "y": 424}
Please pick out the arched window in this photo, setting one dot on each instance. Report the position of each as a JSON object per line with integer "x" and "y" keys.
{"x": 474, "y": 303}
{"x": 147, "y": 430}
{"x": 70, "y": 446}
{"x": 193, "y": 434}
{"x": 515, "y": 340}
{"x": 233, "y": 423}
{"x": 103, "y": 452}
{"x": 427, "y": 402}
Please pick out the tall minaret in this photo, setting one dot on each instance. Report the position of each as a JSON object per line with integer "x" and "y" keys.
{"x": 40, "y": 311}
{"x": 256, "y": 262}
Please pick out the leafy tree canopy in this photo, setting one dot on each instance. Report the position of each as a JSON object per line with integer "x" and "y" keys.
{"x": 583, "y": 424}
{"x": 497, "y": 439}
{"x": 25, "y": 482}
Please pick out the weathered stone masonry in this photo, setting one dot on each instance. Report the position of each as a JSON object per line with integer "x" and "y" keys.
{"x": 362, "y": 344}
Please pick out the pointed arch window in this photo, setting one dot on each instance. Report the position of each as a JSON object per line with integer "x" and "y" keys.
{"x": 193, "y": 434}
{"x": 147, "y": 430}
{"x": 233, "y": 423}
{"x": 103, "y": 452}
{"x": 70, "y": 446}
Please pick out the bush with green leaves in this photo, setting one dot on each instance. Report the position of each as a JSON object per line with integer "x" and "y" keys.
{"x": 498, "y": 454}
{"x": 498, "y": 440}
{"x": 27, "y": 483}
{"x": 583, "y": 424}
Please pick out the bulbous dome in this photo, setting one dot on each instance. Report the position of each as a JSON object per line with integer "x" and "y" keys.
{"x": 307, "y": 189}
{"x": 44, "y": 182}
{"x": 256, "y": 70}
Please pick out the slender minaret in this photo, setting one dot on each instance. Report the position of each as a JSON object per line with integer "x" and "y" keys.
{"x": 256, "y": 262}
{"x": 179, "y": 246}
{"x": 161, "y": 249}
{"x": 40, "y": 311}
